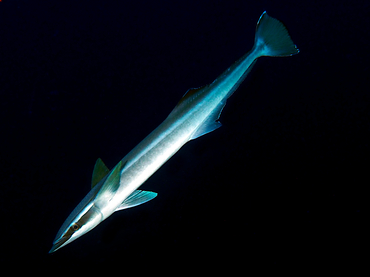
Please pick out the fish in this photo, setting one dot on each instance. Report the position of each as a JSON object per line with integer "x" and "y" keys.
{"x": 196, "y": 114}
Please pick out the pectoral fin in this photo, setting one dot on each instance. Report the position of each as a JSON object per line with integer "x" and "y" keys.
{"x": 136, "y": 198}
{"x": 110, "y": 185}
{"x": 100, "y": 171}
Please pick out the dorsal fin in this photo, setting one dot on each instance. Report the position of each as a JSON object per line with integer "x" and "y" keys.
{"x": 189, "y": 94}
{"x": 99, "y": 172}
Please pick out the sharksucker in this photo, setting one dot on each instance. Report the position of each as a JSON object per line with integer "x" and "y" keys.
{"x": 196, "y": 114}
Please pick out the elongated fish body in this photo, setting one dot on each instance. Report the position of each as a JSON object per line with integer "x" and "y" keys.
{"x": 196, "y": 114}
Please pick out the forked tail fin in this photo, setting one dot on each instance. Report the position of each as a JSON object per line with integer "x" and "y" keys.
{"x": 272, "y": 38}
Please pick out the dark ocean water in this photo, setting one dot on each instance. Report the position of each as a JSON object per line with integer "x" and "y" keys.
{"x": 283, "y": 181}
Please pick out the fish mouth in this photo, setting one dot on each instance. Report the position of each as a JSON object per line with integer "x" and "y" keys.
{"x": 58, "y": 244}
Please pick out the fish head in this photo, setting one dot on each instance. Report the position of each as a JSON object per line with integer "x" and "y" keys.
{"x": 77, "y": 224}
{"x": 88, "y": 213}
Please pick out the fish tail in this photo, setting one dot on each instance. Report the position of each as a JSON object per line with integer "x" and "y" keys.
{"x": 272, "y": 38}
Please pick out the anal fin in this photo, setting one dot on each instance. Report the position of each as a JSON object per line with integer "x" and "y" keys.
{"x": 211, "y": 123}
{"x": 136, "y": 198}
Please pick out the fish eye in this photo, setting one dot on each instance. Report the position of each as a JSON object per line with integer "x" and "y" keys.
{"x": 75, "y": 227}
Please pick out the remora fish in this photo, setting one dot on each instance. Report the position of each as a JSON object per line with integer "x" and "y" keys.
{"x": 196, "y": 114}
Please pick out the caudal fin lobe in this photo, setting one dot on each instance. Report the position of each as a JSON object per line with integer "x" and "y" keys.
{"x": 272, "y": 38}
